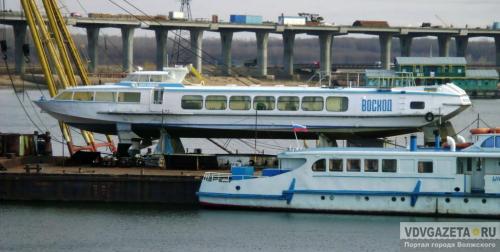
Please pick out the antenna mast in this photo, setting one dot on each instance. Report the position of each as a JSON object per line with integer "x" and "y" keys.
{"x": 186, "y": 8}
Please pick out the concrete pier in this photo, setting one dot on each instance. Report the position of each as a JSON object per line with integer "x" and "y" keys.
{"x": 262, "y": 42}
{"x": 288, "y": 52}
{"x": 161, "y": 48}
{"x": 385, "y": 50}
{"x": 226, "y": 38}
{"x": 197, "y": 48}
{"x": 128, "y": 49}
{"x": 444, "y": 45}
{"x": 405, "y": 45}
{"x": 461, "y": 43}
{"x": 19, "y": 41}
{"x": 92, "y": 40}
{"x": 325, "y": 47}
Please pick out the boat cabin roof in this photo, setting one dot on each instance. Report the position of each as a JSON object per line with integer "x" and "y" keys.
{"x": 486, "y": 145}
{"x": 168, "y": 75}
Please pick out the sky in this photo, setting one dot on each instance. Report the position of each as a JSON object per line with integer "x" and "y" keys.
{"x": 343, "y": 12}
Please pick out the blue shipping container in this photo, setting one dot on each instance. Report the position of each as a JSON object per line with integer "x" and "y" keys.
{"x": 245, "y": 19}
{"x": 496, "y": 26}
{"x": 253, "y": 19}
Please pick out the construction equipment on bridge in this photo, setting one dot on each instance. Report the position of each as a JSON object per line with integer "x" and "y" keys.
{"x": 312, "y": 19}
{"x": 57, "y": 51}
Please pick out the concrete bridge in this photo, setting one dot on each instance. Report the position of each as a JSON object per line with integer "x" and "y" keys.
{"x": 325, "y": 33}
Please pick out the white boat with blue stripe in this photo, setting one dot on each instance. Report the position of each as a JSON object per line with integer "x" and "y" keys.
{"x": 148, "y": 101}
{"x": 430, "y": 181}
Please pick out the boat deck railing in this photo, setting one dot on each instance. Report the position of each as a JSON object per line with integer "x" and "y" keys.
{"x": 225, "y": 177}
{"x": 217, "y": 176}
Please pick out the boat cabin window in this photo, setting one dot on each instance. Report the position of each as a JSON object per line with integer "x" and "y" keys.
{"x": 389, "y": 165}
{"x": 489, "y": 142}
{"x": 417, "y": 105}
{"x": 312, "y": 103}
{"x": 319, "y": 165}
{"x": 425, "y": 166}
{"x": 464, "y": 165}
{"x": 263, "y": 102}
{"x": 288, "y": 103}
{"x": 105, "y": 96}
{"x": 371, "y": 165}
{"x": 239, "y": 103}
{"x": 337, "y": 104}
{"x": 134, "y": 97}
{"x": 291, "y": 163}
{"x": 158, "y": 96}
{"x": 216, "y": 102}
{"x": 83, "y": 96}
{"x": 64, "y": 96}
{"x": 192, "y": 102}
{"x": 353, "y": 165}
{"x": 336, "y": 165}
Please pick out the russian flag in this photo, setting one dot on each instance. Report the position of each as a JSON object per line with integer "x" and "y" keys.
{"x": 299, "y": 128}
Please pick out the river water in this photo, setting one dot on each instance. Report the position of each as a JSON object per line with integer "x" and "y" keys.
{"x": 121, "y": 227}
{"x": 118, "y": 227}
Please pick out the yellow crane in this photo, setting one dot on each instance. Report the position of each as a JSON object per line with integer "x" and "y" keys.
{"x": 56, "y": 50}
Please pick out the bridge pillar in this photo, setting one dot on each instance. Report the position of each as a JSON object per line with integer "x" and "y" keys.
{"x": 161, "y": 49}
{"x": 128, "y": 49}
{"x": 19, "y": 40}
{"x": 197, "y": 48}
{"x": 288, "y": 52}
{"x": 497, "y": 46}
{"x": 405, "y": 45}
{"x": 226, "y": 38}
{"x": 385, "y": 50}
{"x": 325, "y": 48}
{"x": 444, "y": 45}
{"x": 262, "y": 42}
{"x": 92, "y": 40}
{"x": 461, "y": 43}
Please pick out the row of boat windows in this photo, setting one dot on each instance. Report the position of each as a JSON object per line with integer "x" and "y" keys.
{"x": 283, "y": 103}
{"x": 133, "y": 97}
{"x": 369, "y": 165}
{"x": 220, "y": 102}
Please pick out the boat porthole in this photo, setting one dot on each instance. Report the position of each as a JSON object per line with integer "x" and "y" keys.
{"x": 238, "y": 188}
{"x": 393, "y": 199}
{"x": 457, "y": 189}
{"x": 466, "y": 200}
{"x": 322, "y": 197}
{"x": 402, "y": 198}
{"x": 367, "y": 198}
{"x": 447, "y": 200}
{"x": 332, "y": 197}
{"x": 484, "y": 201}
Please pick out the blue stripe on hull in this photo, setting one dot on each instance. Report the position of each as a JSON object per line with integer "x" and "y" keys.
{"x": 287, "y": 193}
